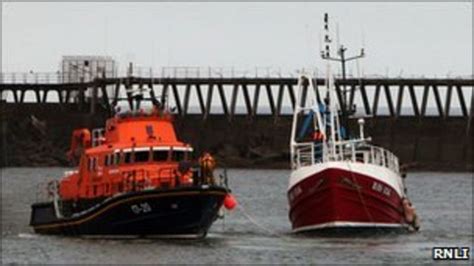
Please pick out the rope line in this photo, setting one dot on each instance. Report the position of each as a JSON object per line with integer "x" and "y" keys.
{"x": 359, "y": 193}
{"x": 260, "y": 226}
{"x": 254, "y": 222}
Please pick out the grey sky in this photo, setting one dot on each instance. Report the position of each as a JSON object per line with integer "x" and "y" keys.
{"x": 419, "y": 38}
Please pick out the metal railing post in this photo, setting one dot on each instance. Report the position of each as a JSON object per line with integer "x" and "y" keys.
{"x": 372, "y": 155}
{"x": 298, "y": 158}
{"x": 383, "y": 156}
{"x": 353, "y": 152}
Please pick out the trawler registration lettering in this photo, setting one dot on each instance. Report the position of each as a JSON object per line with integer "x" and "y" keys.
{"x": 381, "y": 188}
{"x": 295, "y": 193}
{"x": 141, "y": 208}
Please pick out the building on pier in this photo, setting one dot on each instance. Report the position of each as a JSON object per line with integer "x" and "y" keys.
{"x": 86, "y": 68}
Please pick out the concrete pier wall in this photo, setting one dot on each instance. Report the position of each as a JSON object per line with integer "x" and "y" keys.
{"x": 39, "y": 135}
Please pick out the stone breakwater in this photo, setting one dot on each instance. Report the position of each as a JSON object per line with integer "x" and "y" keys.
{"x": 33, "y": 136}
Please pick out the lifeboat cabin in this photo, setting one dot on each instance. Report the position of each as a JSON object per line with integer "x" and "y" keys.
{"x": 131, "y": 154}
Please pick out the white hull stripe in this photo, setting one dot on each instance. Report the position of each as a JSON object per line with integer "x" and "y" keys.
{"x": 345, "y": 224}
{"x": 373, "y": 171}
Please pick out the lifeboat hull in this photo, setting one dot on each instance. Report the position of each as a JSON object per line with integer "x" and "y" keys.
{"x": 348, "y": 197}
{"x": 181, "y": 212}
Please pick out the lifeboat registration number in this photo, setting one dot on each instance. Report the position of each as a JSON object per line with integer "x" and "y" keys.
{"x": 141, "y": 208}
{"x": 381, "y": 188}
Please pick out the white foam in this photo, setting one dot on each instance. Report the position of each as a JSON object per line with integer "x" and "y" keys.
{"x": 27, "y": 235}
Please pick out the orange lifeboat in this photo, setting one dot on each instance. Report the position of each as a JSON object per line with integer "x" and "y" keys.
{"x": 128, "y": 174}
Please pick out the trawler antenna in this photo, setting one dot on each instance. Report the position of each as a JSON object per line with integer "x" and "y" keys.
{"x": 341, "y": 57}
{"x": 337, "y": 35}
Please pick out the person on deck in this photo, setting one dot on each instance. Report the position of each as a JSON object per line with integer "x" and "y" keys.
{"x": 318, "y": 138}
{"x": 208, "y": 164}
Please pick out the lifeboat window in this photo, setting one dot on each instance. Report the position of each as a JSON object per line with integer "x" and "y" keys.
{"x": 116, "y": 158}
{"x": 178, "y": 156}
{"x": 108, "y": 159}
{"x": 160, "y": 156}
{"x": 142, "y": 156}
{"x": 92, "y": 163}
{"x": 128, "y": 157}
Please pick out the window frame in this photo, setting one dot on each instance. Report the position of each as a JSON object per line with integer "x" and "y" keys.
{"x": 139, "y": 150}
{"x": 125, "y": 153}
{"x": 117, "y": 157}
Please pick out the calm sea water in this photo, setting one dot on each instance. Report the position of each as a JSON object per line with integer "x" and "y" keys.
{"x": 258, "y": 231}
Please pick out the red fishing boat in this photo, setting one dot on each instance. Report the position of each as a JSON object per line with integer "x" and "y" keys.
{"x": 339, "y": 182}
{"x": 135, "y": 177}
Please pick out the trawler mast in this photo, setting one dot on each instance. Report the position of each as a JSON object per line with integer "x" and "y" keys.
{"x": 346, "y": 110}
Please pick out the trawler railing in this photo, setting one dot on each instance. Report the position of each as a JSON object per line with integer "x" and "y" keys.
{"x": 304, "y": 154}
{"x": 357, "y": 151}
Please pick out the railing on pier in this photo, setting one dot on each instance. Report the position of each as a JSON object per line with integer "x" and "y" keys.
{"x": 255, "y": 96}
{"x": 60, "y": 77}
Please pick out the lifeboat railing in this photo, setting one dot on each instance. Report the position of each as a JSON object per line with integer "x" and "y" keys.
{"x": 166, "y": 176}
{"x": 57, "y": 202}
{"x": 357, "y": 151}
{"x": 135, "y": 180}
{"x": 49, "y": 192}
{"x": 141, "y": 179}
{"x": 223, "y": 180}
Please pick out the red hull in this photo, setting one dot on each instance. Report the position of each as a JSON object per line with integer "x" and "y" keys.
{"x": 339, "y": 198}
